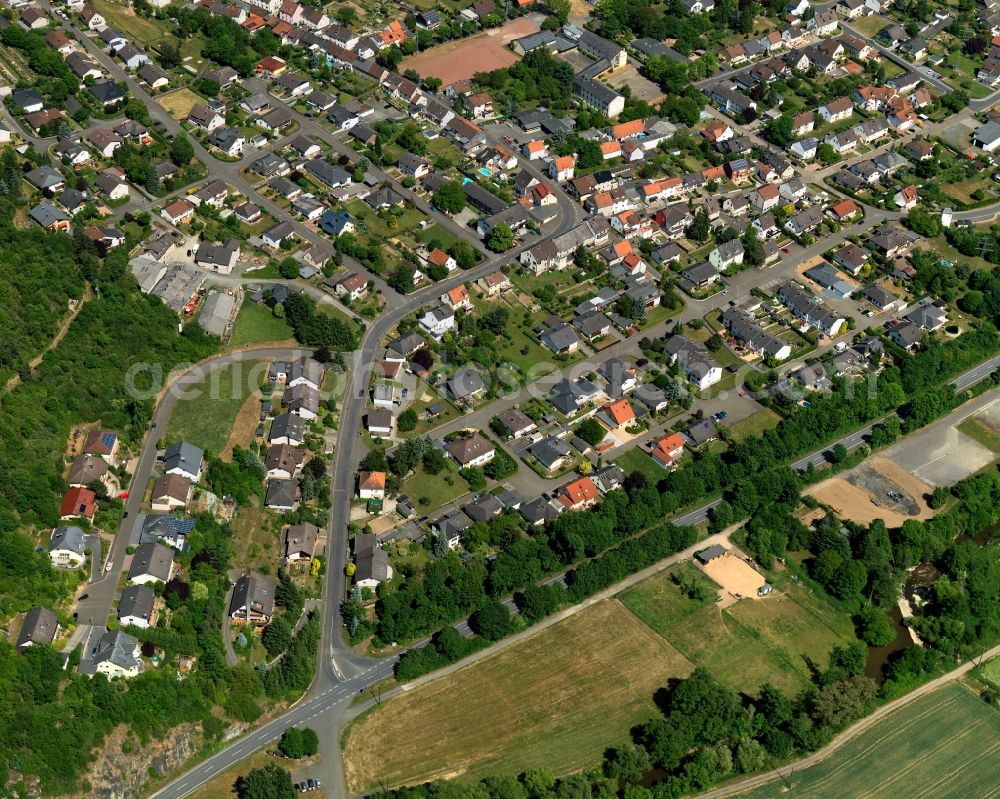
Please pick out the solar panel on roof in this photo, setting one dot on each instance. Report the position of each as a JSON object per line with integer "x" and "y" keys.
{"x": 108, "y": 439}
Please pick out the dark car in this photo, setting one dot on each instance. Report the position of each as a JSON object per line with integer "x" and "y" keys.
{"x": 310, "y": 784}
{"x": 83, "y": 597}
{"x": 642, "y": 362}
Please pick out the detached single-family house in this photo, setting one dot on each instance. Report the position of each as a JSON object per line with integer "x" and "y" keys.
{"x": 471, "y": 451}
{"x": 253, "y": 600}
{"x": 183, "y": 459}
{"x": 151, "y": 563}
{"x": 67, "y": 548}
{"x": 117, "y": 655}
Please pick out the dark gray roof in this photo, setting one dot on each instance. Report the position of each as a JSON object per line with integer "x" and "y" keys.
{"x": 182, "y": 455}
{"x": 466, "y": 382}
{"x": 550, "y": 451}
{"x": 118, "y": 648}
{"x": 253, "y": 591}
{"x": 68, "y": 537}
{"x": 154, "y": 560}
{"x": 288, "y": 424}
{"x": 281, "y": 493}
{"x": 137, "y": 601}
{"x": 39, "y": 627}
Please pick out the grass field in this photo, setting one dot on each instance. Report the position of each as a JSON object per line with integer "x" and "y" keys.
{"x": 557, "y": 700}
{"x": 748, "y": 643}
{"x": 945, "y": 744}
{"x": 981, "y": 432}
{"x": 206, "y": 418}
{"x": 178, "y": 102}
{"x": 990, "y": 672}
{"x": 755, "y": 424}
{"x": 255, "y": 542}
{"x": 430, "y": 491}
{"x": 256, "y": 323}
{"x": 635, "y": 460}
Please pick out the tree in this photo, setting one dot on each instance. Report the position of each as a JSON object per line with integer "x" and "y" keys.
{"x": 779, "y": 130}
{"x": 701, "y": 227}
{"x": 346, "y": 15}
{"x": 450, "y": 197}
{"x": 181, "y": 151}
{"x": 288, "y": 268}
{"x": 407, "y": 421}
{"x": 463, "y": 253}
{"x": 559, "y": 9}
{"x": 492, "y": 621}
{"x": 826, "y": 154}
{"x": 591, "y": 431}
{"x": 291, "y": 744}
{"x": 277, "y": 635}
{"x": 874, "y": 627}
{"x": 390, "y": 57}
{"x": 501, "y": 238}
{"x": 269, "y": 782}
{"x": 310, "y": 742}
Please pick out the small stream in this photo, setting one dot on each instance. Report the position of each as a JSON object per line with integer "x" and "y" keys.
{"x": 920, "y": 576}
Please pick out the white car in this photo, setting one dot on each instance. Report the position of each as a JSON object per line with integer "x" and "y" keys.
{"x": 108, "y": 568}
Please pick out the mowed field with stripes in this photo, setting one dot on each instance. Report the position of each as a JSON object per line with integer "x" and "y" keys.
{"x": 941, "y": 746}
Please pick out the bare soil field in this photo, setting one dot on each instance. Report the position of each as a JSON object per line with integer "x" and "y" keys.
{"x": 738, "y": 579}
{"x": 244, "y": 426}
{"x": 460, "y": 60}
{"x": 853, "y": 495}
{"x": 642, "y": 88}
{"x": 178, "y": 103}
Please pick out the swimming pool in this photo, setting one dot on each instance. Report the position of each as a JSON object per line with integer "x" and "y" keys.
{"x": 484, "y": 172}
{"x": 466, "y": 180}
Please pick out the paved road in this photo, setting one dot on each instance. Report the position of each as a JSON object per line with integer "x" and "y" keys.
{"x": 851, "y": 732}
{"x": 103, "y": 591}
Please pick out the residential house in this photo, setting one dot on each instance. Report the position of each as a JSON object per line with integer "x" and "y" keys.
{"x": 78, "y": 502}
{"x": 151, "y": 563}
{"x": 170, "y": 493}
{"x": 253, "y": 600}
{"x": 579, "y": 494}
{"x": 299, "y": 543}
{"x": 470, "y": 451}
{"x": 282, "y": 495}
{"x": 117, "y": 655}
{"x": 67, "y": 547}
{"x": 38, "y": 628}
{"x": 371, "y": 485}
{"x": 184, "y": 459}
{"x": 135, "y": 607}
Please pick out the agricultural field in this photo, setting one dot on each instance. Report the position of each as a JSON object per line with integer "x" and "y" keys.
{"x": 747, "y": 643}
{"x": 556, "y": 700}
{"x": 208, "y": 414}
{"x": 945, "y": 744}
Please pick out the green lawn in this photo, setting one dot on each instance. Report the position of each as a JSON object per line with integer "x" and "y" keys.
{"x": 256, "y": 323}
{"x": 982, "y": 432}
{"x": 431, "y": 491}
{"x": 436, "y": 232}
{"x": 423, "y": 425}
{"x": 944, "y": 744}
{"x": 990, "y": 671}
{"x": 635, "y": 460}
{"x": 207, "y": 415}
{"x": 869, "y": 26}
{"x": 755, "y": 424}
{"x": 748, "y": 643}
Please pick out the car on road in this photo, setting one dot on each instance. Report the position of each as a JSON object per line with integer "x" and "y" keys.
{"x": 125, "y": 515}
{"x": 298, "y": 787}
{"x": 310, "y": 784}
{"x": 83, "y": 597}
{"x": 108, "y": 567}
{"x": 152, "y": 426}
{"x": 784, "y": 250}
{"x": 319, "y": 784}
{"x": 718, "y": 417}
{"x": 743, "y": 393}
